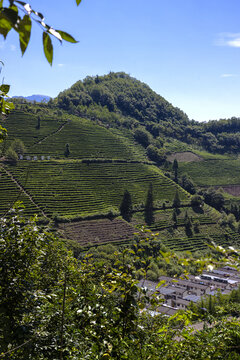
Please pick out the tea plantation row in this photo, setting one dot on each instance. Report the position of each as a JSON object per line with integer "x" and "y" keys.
{"x": 76, "y": 188}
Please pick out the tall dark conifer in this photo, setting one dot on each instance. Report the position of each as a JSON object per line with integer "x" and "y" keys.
{"x": 176, "y": 200}
{"x": 67, "y": 150}
{"x": 126, "y": 206}
{"x": 175, "y": 169}
{"x": 149, "y": 216}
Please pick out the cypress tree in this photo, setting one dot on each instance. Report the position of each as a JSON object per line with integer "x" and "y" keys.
{"x": 126, "y": 206}
{"x": 149, "y": 217}
{"x": 174, "y": 217}
{"x": 175, "y": 169}
{"x": 187, "y": 224}
{"x": 38, "y": 123}
{"x": 67, "y": 151}
{"x": 176, "y": 200}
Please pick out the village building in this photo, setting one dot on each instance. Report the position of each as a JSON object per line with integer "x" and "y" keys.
{"x": 178, "y": 293}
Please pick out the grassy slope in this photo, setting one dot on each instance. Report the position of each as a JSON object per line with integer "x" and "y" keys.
{"x": 213, "y": 172}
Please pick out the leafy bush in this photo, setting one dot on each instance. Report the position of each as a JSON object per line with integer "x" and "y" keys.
{"x": 142, "y": 136}
{"x": 18, "y": 146}
{"x": 12, "y": 156}
{"x": 196, "y": 201}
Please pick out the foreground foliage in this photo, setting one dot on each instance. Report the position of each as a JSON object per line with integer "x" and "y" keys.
{"x": 53, "y": 307}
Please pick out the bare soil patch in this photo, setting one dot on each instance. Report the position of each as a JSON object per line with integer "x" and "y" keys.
{"x": 96, "y": 232}
{"x": 186, "y": 156}
{"x": 230, "y": 189}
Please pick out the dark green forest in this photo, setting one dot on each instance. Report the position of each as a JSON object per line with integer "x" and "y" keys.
{"x": 138, "y": 107}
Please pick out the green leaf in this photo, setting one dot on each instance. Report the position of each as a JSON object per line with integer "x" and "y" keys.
{"x": 5, "y": 88}
{"x": 24, "y": 30}
{"x": 78, "y": 2}
{"x": 11, "y": 14}
{"x": 9, "y": 106}
{"x": 3, "y": 133}
{"x": 162, "y": 282}
{"x": 5, "y": 25}
{"x": 67, "y": 37}
{"x": 47, "y": 47}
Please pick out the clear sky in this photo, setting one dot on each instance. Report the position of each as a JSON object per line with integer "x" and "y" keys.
{"x": 188, "y": 51}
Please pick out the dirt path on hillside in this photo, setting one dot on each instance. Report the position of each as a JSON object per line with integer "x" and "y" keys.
{"x": 22, "y": 190}
{"x": 51, "y": 134}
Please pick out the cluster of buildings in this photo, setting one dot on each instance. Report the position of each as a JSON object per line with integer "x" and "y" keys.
{"x": 178, "y": 293}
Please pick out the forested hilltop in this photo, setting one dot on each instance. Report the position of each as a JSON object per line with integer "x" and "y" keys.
{"x": 138, "y": 106}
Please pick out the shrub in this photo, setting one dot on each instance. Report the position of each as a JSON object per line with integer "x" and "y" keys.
{"x": 126, "y": 206}
{"x": 11, "y": 156}
{"x": 155, "y": 154}
{"x": 18, "y": 146}
{"x": 176, "y": 200}
{"x": 196, "y": 201}
{"x": 142, "y": 136}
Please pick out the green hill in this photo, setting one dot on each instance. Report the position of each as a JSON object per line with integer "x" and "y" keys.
{"x": 119, "y": 99}
{"x": 118, "y": 134}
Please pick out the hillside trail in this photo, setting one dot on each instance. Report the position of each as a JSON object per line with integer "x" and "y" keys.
{"x": 51, "y": 134}
{"x": 22, "y": 190}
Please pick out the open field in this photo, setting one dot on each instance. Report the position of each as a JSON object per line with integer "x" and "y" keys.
{"x": 233, "y": 190}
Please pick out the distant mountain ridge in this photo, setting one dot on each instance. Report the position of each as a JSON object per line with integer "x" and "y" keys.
{"x": 32, "y": 98}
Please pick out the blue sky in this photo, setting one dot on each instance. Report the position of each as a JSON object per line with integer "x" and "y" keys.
{"x": 188, "y": 51}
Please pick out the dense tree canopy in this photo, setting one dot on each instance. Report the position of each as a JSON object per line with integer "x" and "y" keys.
{"x": 53, "y": 307}
{"x": 120, "y": 100}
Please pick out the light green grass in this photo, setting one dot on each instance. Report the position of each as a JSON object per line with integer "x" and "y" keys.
{"x": 208, "y": 156}
{"x": 213, "y": 172}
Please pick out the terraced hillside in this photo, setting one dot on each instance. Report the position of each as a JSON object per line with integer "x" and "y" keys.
{"x": 200, "y": 242}
{"x": 86, "y": 139}
{"x": 119, "y": 134}
{"x": 213, "y": 172}
{"x": 73, "y": 188}
{"x": 10, "y": 192}
{"x": 23, "y": 125}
